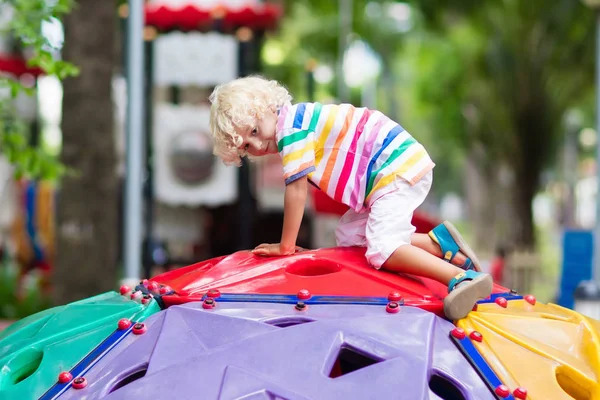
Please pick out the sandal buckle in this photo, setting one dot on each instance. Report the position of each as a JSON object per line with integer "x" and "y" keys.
{"x": 448, "y": 256}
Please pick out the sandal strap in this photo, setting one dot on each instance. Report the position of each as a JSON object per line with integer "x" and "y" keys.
{"x": 468, "y": 265}
{"x": 441, "y": 235}
{"x": 468, "y": 275}
{"x": 444, "y": 239}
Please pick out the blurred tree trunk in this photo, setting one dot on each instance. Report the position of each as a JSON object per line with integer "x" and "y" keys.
{"x": 533, "y": 120}
{"x": 87, "y": 204}
{"x": 504, "y": 200}
{"x": 479, "y": 189}
{"x": 493, "y": 202}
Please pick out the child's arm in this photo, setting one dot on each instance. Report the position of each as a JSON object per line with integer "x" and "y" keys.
{"x": 293, "y": 211}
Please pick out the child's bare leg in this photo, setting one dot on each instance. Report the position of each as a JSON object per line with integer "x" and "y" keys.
{"x": 465, "y": 287}
{"x": 413, "y": 259}
{"x": 423, "y": 241}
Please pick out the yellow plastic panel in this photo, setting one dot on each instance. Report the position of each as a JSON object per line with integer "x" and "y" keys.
{"x": 550, "y": 351}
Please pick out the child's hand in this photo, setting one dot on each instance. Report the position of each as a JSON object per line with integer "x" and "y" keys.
{"x": 273, "y": 249}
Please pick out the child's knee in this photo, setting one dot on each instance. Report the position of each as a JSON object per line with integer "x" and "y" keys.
{"x": 377, "y": 256}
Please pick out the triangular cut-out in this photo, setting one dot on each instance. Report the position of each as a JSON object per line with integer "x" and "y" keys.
{"x": 349, "y": 360}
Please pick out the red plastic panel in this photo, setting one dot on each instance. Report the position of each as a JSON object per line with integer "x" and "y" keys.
{"x": 332, "y": 271}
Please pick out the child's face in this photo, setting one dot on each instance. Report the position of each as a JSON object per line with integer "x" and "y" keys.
{"x": 259, "y": 139}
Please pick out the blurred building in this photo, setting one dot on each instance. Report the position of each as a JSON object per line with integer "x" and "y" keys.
{"x": 195, "y": 206}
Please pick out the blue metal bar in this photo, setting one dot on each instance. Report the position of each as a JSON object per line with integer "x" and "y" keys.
{"x": 293, "y": 299}
{"x": 494, "y": 296}
{"x": 481, "y": 366}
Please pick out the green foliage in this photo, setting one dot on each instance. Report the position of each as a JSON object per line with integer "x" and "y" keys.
{"x": 310, "y": 31}
{"x": 27, "y": 160}
{"x": 20, "y": 300}
{"x": 26, "y": 27}
{"x": 504, "y": 63}
{"x": 305, "y": 34}
{"x": 490, "y": 73}
{"x": 509, "y": 72}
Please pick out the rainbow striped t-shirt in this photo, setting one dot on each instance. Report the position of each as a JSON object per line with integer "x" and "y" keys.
{"x": 352, "y": 154}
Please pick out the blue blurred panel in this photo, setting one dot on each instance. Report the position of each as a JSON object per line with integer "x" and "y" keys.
{"x": 578, "y": 249}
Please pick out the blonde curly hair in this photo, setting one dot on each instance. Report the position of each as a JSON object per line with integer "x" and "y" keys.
{"x": 237, "y": 105}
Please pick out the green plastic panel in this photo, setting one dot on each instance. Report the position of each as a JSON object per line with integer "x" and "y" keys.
{"x": 36, "y": 349}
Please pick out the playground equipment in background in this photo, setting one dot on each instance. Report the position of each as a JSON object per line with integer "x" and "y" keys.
{"x": 578, "y": 248}
{"x": 17, "y": 66}
{"x": 33, "y": 228}
{"x": 317, "y": 324}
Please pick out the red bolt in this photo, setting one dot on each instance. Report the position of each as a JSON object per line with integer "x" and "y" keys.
{"x": 502, "y": 391}
{"x": 303, "y": 294}
{"x": 209, "y": 303}
{"x": 394, "y": 296}
{"x": 124, "y": 289}
{"x": 123, "y": 324}
{"x": 213, "y": 293}
{"x": 136, "y": 295}
{"x": 520, "y": 393}
{"x": 79, "y": 383}
{"x": 65, "y": 377}
{"x": 392, "y": 307}
{"x": 530, "y": 299}
{"x": 501, "y": 301}
{"x": 165, "y": 290}
{"x": 139, "y": 329}
{"x": 474, "y": 307}
{"x": 152, "y": 286}
{"x": 145, "y": 282}
{"x": 476, "y": 336}
{"x": 458, "y": 333}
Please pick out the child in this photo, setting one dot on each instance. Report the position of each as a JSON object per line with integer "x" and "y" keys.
{"x": 497, "y": 265}
{"x": 358, "y": 157}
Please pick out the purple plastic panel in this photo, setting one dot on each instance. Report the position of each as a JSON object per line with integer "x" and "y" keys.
{"x": 272, "y": 351}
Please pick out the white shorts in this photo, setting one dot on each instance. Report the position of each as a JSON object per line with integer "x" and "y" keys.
{"x": 387, "y": 225}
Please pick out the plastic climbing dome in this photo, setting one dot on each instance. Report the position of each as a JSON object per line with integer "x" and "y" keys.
{"x": 316, "y": 325}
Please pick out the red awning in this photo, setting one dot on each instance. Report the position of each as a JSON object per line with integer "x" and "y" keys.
{"x": 17, "y": 66}
{"x": 191, "y": 17}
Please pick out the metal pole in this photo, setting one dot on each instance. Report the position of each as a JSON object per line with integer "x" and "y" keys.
{"x": 132, "y": 248}
{"x": 248, "y": 63}
{"x": 345, "y": 21}
{"x": 148, "y": 193}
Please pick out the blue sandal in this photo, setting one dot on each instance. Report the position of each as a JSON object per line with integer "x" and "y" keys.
{"x": 451, "y": 242}
{"x": 464, "y": 290}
